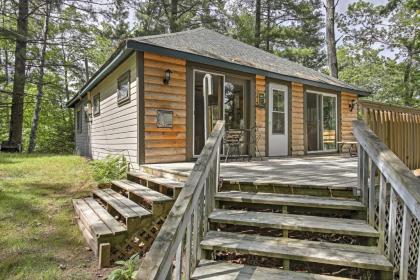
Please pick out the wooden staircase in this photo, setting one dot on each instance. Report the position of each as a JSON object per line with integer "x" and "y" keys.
{"x": 124, "y": 219}
{"x": 323, "y": 235}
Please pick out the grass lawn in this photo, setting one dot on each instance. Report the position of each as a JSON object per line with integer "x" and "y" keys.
{"x": 38, "y": 239}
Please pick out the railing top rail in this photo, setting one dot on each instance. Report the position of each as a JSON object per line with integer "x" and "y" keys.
{"x": 402, "y": 179}
{"x": 387, "y": 107}
{"x": 164, "y": 247}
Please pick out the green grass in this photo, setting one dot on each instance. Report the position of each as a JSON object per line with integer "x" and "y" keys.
{"x": 37, "y": 233}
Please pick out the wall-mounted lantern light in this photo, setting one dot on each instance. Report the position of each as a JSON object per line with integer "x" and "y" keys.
{"x": 167, "y": 76}
{"x": 260, "y": 102}
{"x": 352, "y": 104}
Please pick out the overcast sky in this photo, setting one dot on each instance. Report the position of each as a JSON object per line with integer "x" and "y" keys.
{"x": 342, "y": 4}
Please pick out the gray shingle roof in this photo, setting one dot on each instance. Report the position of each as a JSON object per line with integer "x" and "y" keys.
{"x": 208, "y": 43}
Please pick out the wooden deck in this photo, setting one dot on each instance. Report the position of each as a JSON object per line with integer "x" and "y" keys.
{"x": 326, "y": 171}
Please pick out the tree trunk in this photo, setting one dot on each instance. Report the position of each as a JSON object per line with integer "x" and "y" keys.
{"x": 66, "y": 79}
{"x": 16, "y": 120}
{"x": 40, "y": 85}
{"x": 267, "y": 36}
{"x": 257, "y": 23}
{"x": 331, "y": 44}
{"x": 173, "y": 16}
{"x": 86, "y": 68}
{"x": 6, "y": 65}
{"x": 408, "y": 92}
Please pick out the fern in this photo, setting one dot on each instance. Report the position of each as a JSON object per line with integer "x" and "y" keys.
{"x": 110, "y": 168}
{"x": 128, "y": 269}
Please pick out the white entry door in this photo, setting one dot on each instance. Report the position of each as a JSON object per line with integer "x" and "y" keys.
{"x": 277, "y": 122}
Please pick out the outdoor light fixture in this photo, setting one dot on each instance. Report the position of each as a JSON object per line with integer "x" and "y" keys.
{"x": 167, "y": 76}
{"x": 351, "y": 105}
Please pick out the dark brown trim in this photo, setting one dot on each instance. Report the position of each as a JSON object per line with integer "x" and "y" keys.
{"x": 307, "y": 88}
{"x": 305, "y": 124}
{"x": 252, "y": 114}
{"x": 191, "y": 66}
{"x": 339, "y": 132}
{"x": 223, "y": 71}
{"x": 189, "y": 111}
{"x": 140, "y": 106}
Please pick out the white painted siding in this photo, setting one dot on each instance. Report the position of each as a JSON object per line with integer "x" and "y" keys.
{"x": 114, "y": 131}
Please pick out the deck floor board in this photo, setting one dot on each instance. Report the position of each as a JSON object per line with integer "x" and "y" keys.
{"x": 338, "y": 171}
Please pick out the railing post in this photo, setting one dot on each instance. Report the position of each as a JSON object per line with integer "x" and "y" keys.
{"x": 178, "y": 262}
{"x": 372, "y": 193}
{"x": 188, "y": 250}
{"x": 392, "y": 224}
{"x": 405, "y": 243}
{"x": 383, "y": 197}
{"x": 363, "y": 169}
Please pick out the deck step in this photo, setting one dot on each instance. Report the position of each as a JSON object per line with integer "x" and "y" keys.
{"x": 290, "y": 200}
{"x": 294, "y": 222}
{"x": 127, "y": 209}
{"x": 153, "y": 200}
{"x": 165, "y": 172}
{"x": 96, "y": 224}
{"x": 143, "y": 178}
{"x": 301, "y": 250}
{"x": 214, "y": 270}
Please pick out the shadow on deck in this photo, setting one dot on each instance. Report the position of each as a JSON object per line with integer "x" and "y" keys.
{"x": 326, "y": 171}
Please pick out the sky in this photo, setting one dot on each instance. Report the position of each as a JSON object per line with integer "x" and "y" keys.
{"x": 341, "y": 8}
{"x": 342, "y": 4}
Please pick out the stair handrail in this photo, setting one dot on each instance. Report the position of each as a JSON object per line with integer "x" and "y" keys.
{"x": 391, "y": 193}
{"x": 187, "y": 221}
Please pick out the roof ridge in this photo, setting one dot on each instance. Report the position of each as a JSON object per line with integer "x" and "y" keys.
{"x": 167, "y": 34}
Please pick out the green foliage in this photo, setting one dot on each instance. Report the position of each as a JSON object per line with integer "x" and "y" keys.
{"x": 369, "y": 32}
{"x": 110, "y": 168}
{"x": 36, "y": 217}
{"x": 127, "y": 271}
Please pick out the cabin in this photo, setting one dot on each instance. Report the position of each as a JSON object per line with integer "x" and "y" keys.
{"x": 171, "y": 104}
{"x": 158, "y": 97}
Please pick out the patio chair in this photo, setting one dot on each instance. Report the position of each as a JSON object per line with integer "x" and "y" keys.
{"x": 232, "y": 143}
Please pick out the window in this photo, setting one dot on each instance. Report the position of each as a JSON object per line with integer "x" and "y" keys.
{"x": 96, "y": 104}
{"x": 234, "y": 104}
{"x": 278, "y": 112}
{"x": 124, "y": 87}
{"x": 79, "y": 120}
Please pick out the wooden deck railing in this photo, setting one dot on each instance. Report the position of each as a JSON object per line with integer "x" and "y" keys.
{"x": 398, "y": 127}
{"x": 187, "y": 222}
{"x": 391, "y": 193}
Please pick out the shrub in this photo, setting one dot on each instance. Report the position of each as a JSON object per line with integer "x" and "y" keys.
{"x": 128, "y": 269}
{"x": 110, "y": 168}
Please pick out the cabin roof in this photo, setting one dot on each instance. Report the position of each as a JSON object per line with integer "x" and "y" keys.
{"x": 208, "y": 43}
{"x": 209, "y": 47}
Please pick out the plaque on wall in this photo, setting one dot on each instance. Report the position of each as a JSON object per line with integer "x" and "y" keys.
{"x": 164, "y": 118}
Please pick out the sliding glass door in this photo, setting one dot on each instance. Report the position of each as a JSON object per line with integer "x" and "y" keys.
{"x": 208, "y": 106}
{"x": 321, "y": 121}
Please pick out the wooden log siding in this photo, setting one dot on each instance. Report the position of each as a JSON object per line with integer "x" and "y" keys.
{"x": 347, "y": 118}
{"x": 298, "y": 146}
{"x": 398, "y": 127}
{"x": 164, "y": 144}
{"x": 260, "y": 117}
{"x": 389, "y": 186}
{"x": 114, "y": 131}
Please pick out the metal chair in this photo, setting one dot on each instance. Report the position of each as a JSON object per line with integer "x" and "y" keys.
{"x": 232, "y": 143}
